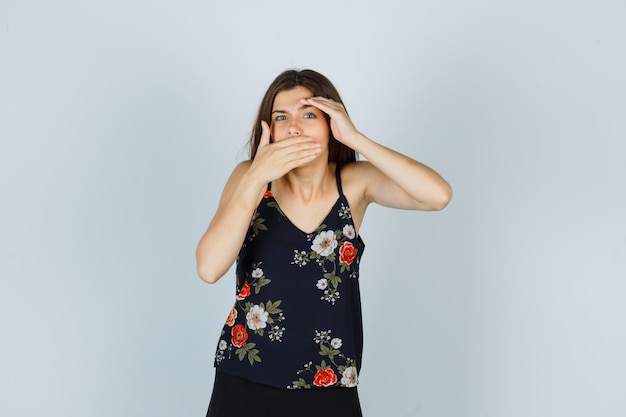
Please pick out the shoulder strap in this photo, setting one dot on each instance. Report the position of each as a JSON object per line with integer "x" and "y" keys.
{"x": 338, "y": 176}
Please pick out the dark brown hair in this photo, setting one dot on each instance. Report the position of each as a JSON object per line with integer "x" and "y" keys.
{"x": 320, "y": 86}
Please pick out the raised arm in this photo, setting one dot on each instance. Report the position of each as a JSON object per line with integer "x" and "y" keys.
{"x": 394, "y": 180}
{"x": 388, "y": 177}
{"x": 219, "y": 246}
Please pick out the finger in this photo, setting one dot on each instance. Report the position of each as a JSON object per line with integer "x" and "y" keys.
{"x": 302, "y": 158}
{"x": 265, "y": 133}
{"x": 324, "y": 104}
{"x": 324, "y": 101}
{"x": 296, "y": 140}
{"x": 299, "y": 150}
{"x": 295, "y": 147}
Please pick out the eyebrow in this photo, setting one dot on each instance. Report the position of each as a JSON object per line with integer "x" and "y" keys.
{"x": 306, "y": 106}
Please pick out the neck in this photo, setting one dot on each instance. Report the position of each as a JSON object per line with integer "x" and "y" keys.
{"x": 310, "y": 180}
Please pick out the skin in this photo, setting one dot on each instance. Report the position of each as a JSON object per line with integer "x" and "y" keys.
{"x": 293, "y": 156}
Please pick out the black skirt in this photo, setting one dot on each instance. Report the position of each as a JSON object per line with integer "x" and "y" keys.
{"x": 237, "y": 397}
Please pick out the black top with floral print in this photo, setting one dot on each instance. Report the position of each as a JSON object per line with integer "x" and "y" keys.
{"x": 296, "y": 322}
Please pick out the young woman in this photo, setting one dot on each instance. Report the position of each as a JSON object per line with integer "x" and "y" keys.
{"x": 290, "y": 217}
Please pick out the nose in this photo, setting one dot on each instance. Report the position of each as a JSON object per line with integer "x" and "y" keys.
{"x": 294, "y": 129}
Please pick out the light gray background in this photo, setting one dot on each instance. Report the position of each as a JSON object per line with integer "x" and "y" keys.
{"x": 121, "y": 120}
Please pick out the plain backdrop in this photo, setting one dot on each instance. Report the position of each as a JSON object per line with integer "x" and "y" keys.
{"x": 120, "y": 121}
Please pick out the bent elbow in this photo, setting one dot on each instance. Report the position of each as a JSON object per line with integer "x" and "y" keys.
{"x": 207, "y": 275}
{"x": 443, "y": 199}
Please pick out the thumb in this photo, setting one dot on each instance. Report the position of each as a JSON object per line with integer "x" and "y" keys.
{"x": 265, "y": 134}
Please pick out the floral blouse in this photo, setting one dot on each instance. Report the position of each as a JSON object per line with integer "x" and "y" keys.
{"x": 296, "y": 322}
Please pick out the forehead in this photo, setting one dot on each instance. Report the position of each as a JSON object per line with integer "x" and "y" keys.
{"x": 290, "y": 98}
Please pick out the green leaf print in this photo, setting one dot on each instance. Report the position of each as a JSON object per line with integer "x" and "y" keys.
{"x": 243, "y": 351}
{"x": 322, "y": 366}
{"x": 300, "y": 383}
{"x": 257, "y": 223}
{"x": 272, "y": 308}
{"x": 249, "y": 351}
{"x": 326, "y": 351}
{"x": 274, "y": 204}
{"x": 261, "y": 282}
{"x": 334, "y": 279}
{"x": 253, "y": 356}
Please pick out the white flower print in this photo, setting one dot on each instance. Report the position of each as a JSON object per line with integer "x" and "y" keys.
{"x": 223, "y": 345}
{"x": 276, "y": 334}
{"x": 348, "y": 231}
{"x": 257, "y": 273}
{"x": 344, "y": 212}
{"x": 257, "y": 318}
{"x": 324, "y": 243}
{"x": 330, "y": 295}
{"x": 322, "y": 284}
{"x": 336, "y": 343}
{"x": 321, "y": 336}
{"x": 349, "y": 377}
{"x": 300, "y": 258}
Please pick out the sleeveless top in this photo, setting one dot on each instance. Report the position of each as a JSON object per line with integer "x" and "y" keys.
{"x": 296, "y": 322}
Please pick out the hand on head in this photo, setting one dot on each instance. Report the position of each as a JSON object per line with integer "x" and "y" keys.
{"x": 340, "y": 124}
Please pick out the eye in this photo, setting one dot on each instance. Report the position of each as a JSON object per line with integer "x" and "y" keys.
{"x": 281, "y": 117}
{"x": 310, "y": 116}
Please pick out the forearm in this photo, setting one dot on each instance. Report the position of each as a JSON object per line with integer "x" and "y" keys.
{"x": 219, "y": 246}
{"x": 418, "y": 181}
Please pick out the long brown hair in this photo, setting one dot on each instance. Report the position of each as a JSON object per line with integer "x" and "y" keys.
{"x": 320, "y": 86}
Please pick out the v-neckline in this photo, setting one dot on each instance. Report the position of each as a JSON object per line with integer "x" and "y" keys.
{"x": 330, "y": 210}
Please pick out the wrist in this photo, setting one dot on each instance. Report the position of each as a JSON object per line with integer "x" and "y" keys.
{"x": 253, "y": 179}
{"x": 358, "y": 142}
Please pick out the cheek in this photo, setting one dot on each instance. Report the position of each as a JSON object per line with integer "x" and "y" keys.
{"x": 320, "y": 130}
{"x": 277, "y": 132}
{"x": 325, "y": 133}
{"x": 325, "y": 129}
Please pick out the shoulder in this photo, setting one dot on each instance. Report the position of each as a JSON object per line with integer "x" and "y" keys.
{"x": 356, "y": 168}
